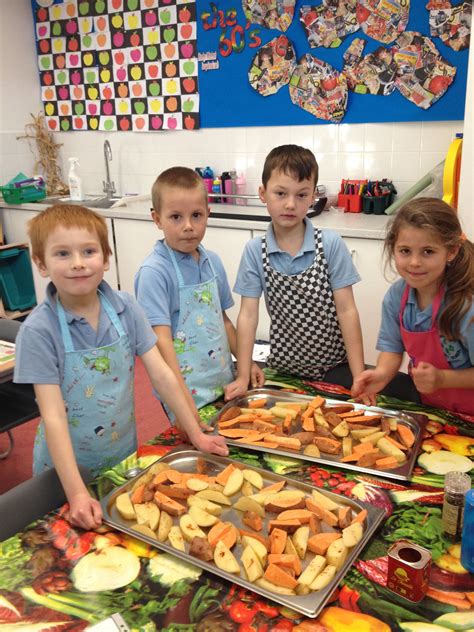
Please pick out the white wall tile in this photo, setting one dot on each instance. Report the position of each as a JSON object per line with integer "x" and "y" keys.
{"x": 437, "y": 136}
{"x": 327, "y": 167}
{"x": 351, "y": 165}
{"x": 325, "y": 138}
{"x": 428, "y": 160}
{"x": 406, "y": 137}
{"x": 351, "y": 138}
{"x": 378, "y": 137}
{"x": 302, "y": 135}
{"x": 378, "y": 165}
{"x": 405, "y": 166}
{"x": 263, "y": 139}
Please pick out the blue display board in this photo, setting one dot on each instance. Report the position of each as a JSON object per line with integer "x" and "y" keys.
{"x": 228, "y": 100}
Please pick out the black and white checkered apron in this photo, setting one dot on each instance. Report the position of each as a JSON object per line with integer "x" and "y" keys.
{"x": 305, "y": 337}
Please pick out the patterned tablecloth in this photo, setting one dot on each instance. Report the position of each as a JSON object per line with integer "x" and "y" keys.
{"x": 40, "y": 590}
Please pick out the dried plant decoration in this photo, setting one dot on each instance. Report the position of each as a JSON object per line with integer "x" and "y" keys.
{"x": 42, "y": 144}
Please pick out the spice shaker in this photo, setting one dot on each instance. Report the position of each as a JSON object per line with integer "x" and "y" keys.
{"x": 456, "y": 484}
{"x": 467, "y": 542}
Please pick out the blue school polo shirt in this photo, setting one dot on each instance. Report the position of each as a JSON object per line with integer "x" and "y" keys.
{"x": 39, "y": 353}
{"x": 156, "y": 284}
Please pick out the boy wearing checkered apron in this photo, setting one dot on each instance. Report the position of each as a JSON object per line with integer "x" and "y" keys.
{"x": 306, "y": 276}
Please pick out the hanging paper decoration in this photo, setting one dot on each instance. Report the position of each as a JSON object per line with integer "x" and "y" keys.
{"x": 272, "y": 14}
{"x": 423, "y": 75}
{"x": 319, "y": 88}
{"x": 118, "y": 64}
{"x": 375, "y": 73}
{"x": 383, "y": 20}
{"x": 451, "y": 24}
{"x": 329, "y": 23}
{"x": 272, "y": 66}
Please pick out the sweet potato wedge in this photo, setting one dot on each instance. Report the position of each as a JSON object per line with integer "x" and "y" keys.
{"x": 324, "y": 514}
{"x": 289, "y": 525}
{"x": 258, "y": 403}
{"x": 137, "y": 494}
{"x": 253, "y": 520}
{"x": 279, "y": 577}
{"x": 278, "y": 539}
{"x": 303, "y": 515}
{"x": 224, "y": 475}
{"x": 320, "y": 542}
{"x": 387, "y": 463}
{"x": 222, "y": 531}
{"x": 230, "y": 413}
{"x": 165, "y": 503}
{"x": 286, "y": 560}
{"x": 329, "y": 446}
{"x": 406, "y": 435}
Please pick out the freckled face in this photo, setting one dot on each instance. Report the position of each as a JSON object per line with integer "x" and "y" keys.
{"x": 74, "y": 261}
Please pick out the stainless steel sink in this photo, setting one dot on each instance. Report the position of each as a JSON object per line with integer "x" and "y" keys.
{"x": 91, "y": 201}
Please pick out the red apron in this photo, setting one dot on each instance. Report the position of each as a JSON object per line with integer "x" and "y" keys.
{"x": 425, "y": 346}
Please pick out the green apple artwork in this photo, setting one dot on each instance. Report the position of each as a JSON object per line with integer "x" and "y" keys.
{"x": 112, "y": 65}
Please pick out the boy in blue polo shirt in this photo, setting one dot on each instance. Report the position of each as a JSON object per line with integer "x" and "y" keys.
{"x": 306, "y": 276}
{"x": 184, "y": 292}
{"x": 78, "y": 349}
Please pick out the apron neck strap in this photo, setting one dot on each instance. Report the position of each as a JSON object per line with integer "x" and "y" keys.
{"x": 172, "y": 254}
{"x": 109, "y": 310}
{"x": 435, "y": 305}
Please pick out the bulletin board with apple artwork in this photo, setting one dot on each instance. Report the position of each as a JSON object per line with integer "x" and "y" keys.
{"x": 118, "y": 64}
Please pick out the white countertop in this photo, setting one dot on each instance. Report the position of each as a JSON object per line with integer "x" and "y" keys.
{"x": 346, "y": 224}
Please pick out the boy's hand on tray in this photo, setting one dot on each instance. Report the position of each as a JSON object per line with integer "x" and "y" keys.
{"x": 85, "y": 512}
{"x": 212, "y": 444}
{"x": 257, "y": 376}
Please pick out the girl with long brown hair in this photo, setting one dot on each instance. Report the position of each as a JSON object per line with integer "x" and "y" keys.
{"x": 429, "y": 312}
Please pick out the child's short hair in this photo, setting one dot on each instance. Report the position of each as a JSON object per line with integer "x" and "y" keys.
{"x": 179, "y": 177}
{"x": 292, "y": 160}
{"x": 68, "y": 216}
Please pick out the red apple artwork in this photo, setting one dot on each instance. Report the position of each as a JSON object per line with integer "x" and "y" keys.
{"x": 187, "y": 50}
{"x": 172, "y": 122}
{"x": 189, "y": 122}
{"x": 156, "y": 122}
{"x": 124, "y": 124}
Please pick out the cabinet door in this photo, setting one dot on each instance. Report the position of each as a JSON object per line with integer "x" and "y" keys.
{"x": 15, "y": 228}
{"x": 134, "y": 241}
{"x": 263, "y": 329}
{"x": 367, "y": 257}
{"x": 229, "y": 244}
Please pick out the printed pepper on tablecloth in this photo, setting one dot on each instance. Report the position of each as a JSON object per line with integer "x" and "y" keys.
{"x": 40, "y": 574}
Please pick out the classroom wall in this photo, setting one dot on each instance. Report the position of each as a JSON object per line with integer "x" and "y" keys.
{"x": 403, "y": 152}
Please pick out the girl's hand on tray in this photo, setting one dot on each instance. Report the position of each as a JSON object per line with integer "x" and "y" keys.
{"x": 212, "y": 444}
{"x": 235, "y": 389}
{"x": 85, "y": 512}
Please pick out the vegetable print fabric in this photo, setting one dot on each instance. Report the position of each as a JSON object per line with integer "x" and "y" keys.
{"x": 117, "y": 65}
{"x": 43, "y": 569}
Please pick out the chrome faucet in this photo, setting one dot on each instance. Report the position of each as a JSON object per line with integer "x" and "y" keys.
{"x": 109, "y": 186}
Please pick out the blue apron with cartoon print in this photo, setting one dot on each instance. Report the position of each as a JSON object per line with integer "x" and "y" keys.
{"x": 200, "y": 340}
{"x": 97, "y": 388}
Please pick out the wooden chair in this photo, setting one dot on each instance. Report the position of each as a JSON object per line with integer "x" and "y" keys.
{"x": 17, "y": 401}
{"x": 32, "y": 500}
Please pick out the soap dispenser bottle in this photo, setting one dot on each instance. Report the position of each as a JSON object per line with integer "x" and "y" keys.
{"x": 75, "y": 181}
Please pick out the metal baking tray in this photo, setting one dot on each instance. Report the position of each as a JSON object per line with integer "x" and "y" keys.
{"x": 403, "y": 472}
{"x": 186, "y": 461}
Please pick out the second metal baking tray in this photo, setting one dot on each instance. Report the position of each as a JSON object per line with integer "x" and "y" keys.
{"x": 187, "y": 461}
{"x": 403, "y": 472}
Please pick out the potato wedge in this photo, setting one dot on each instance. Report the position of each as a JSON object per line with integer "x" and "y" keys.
{"x": 324, "y": 577}
{"x": 341, "y": 430}
{"x": 254, "y": 478}
{"x": 214, "y": 496}
{"x": 201, "y": 517}
{"x": 189, "y": 528}
{"x": 251, "y": 564}
{"x": 149, "y": 514}
{"x": 144, "y": 529}
{"x": 234, "y": 483}
{"x": 312, "y": 450}
{"x": 257, "y": 546}
{"x": 281, "y": 590}
{"x": 352, "y": 534}
{"x": 225, "y": 560}
{"x": 337, "y": 553}
{"x": 300, "y": 540}
{"x": 205, "y": 505}
{"x": 385, "y": 446}
{"x": 125, "y": 507}
{"x": 196, "y": 484}
{"x": 246, "y": 503}
{"x": 324, "y": 500}
{"x": 164, "y": 526}
{"x": 175, "y": 538}
{"x": 312, "y": 570}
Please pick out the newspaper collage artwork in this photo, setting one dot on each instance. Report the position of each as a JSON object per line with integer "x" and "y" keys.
{"x": 406, "y": 61}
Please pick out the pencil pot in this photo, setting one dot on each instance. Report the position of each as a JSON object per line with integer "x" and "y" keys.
{"x": 375, "y": 205}
{"x": 351, "y": 203}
